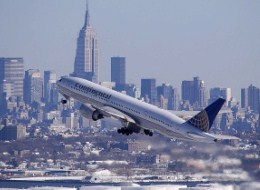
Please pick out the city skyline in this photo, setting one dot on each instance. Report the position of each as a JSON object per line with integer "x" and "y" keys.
{"x": 218, "y": 41}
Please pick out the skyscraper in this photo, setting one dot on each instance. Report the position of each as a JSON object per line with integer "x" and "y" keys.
{"x": 217, "y": 92}
{"x": 11, "y": 77}
{"x": 174, "y": 102}
{"x": 165, "y": 95}
{"x": 50, "y": 78}
{"x": 254, "y": 98}
{"x": 33, "y": 86}
{"x": 118, "y": 73}
{"x": 251, "y": 97}
{"x": 244, "y": 98}
{"x": 86, "y": 60}
{"x": 195, "y": 92}
{"x": 148, "y": 90}
{"x": 187, "y": 91}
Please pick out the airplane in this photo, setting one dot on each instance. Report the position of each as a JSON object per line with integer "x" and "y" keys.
{"x": 137, "y": 116}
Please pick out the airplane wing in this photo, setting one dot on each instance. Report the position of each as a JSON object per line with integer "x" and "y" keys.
{"x": 112, "y": 112}
{"x": 224, "y": 137}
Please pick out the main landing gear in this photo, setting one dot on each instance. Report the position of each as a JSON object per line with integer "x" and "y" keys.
{"x": 125, "y": 131}
{"x": 128, "y": 131}
{"x": 148, "y": 132}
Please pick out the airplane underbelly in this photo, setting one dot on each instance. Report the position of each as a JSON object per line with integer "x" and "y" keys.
{"x": 162, "y": 130}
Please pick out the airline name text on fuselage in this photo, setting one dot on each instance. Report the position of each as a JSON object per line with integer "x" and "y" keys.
{"x": 92, "y": 91}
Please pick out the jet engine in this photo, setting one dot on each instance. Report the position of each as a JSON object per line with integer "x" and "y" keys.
{"x": 89, "y": 112}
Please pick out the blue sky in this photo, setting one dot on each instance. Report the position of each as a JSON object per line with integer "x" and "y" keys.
{"x": 170, "y": 40}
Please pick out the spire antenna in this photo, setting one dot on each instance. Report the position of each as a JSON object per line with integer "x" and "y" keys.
{"x": 87, "y": 15}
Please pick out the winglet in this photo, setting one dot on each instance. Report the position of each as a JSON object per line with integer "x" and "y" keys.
{"x": 204, "y": 119}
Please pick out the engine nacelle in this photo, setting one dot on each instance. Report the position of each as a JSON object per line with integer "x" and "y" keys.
{"x": 89, "y": 112}
{"x": 97, "y": 115}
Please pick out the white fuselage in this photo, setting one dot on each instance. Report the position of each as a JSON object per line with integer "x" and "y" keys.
{"x": 145, "y": 115}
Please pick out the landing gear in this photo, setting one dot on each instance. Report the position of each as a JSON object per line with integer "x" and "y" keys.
{"x": 129, "y": 131}
{"x": 125, "y": 131}
{"x": 148, "y": 132}
{"x": 64, "y": 101}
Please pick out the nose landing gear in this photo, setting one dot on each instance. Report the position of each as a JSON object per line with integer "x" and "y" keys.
{"x": 64, "y": 101}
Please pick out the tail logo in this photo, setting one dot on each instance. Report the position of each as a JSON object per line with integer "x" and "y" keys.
{"x": 200, "y": 121}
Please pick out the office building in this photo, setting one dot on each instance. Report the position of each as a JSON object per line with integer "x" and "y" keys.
{"x": 250, "y": 97}
{"x": 50, "y": 78}
{"x": 11, "y": 77}
{"x": 187, "y": 93}
{"x": 86, "y": 60}
{"x": 12, "y": 132}
{"x": 165, "y": 90}
{"x": 195, "y": 92}
{"x": 54, "y": 95}
{"x": 244, "y": 98}
{"x": 149, "y": 91}
{"x": 145, "y": 159}
{"x": 33, "y": 86}
{"x": 174, "y": 101}
{"x": 168, "y": 97}
{"x": 217, "y": 92}
{"x": 118, "y": 70}
{"x": 258, "y": 127}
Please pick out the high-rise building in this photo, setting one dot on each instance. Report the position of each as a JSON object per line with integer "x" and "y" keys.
{"x": 165, "y": 90}
{"x": 251, "y": 97}
{"x": 11, "y": 77}
{"x": 50, "y": 78}
{"x": 254, "y": 98}
{"x": 174, "y": 101}
{"x": 148, "y": 90}
{"x": 195, "y": 92}
{"x": 217, "y": 92}
{"x": 258, "y": 127}
{"x": 165, "y": 95}
{"x": 118, "y": 70}
{"x": 244, "y": 98}
{"x": 54, "y": 95}
{"x": 86, "y": 60}
{"x": 33, "y": 86}
{"x": 187, "y": 93}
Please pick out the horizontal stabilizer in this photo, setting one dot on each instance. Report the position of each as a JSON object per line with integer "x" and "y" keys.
{"x": 224, "y": 137}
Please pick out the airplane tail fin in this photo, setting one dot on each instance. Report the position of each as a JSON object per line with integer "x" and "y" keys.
{"x": 204, "y": 119}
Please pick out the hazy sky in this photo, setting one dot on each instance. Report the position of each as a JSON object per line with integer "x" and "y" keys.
{"x": 164, "y": 39}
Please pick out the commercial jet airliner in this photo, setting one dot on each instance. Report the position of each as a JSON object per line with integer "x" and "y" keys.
{"x": 137, "y": 116}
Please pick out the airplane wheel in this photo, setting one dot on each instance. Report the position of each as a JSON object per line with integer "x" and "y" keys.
{"x": 64, "y": 101}
{"x": 146, "y": 132}
{"x": 151, "y": 133}
{"x": 119, "y": 131}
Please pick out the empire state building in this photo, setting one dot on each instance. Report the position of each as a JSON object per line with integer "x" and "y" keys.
{"x": 86, "y": 60}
